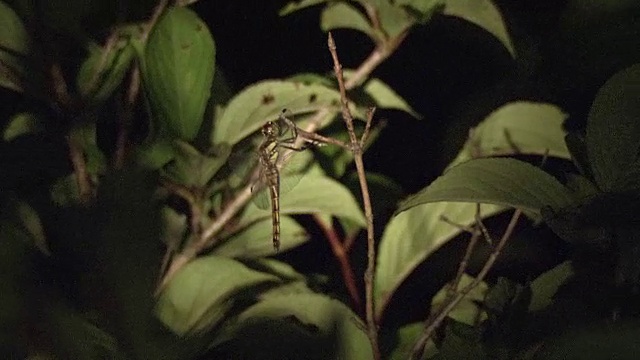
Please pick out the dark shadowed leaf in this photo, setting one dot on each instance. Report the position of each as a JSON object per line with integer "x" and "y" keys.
{"x": 313, "y": 326}
{"x": 613, "y": 128}
{"x": 100, "y": 74}
{"x": 14, "y": 46}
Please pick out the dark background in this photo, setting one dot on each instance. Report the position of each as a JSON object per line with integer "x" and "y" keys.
{"x": 451, "y": 72}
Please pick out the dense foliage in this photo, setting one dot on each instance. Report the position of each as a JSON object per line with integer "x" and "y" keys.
{"x": 128, "y": 166}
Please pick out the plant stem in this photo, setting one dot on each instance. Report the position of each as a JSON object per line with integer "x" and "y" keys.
{"x": 356, "y": 148}
{"x": 434, "y": 321}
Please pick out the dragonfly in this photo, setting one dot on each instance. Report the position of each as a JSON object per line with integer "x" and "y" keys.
{"x": 271, "y": 155}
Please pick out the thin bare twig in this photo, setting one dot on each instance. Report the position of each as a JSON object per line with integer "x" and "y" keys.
{"x": 342, "y": 255}
{"x": 372, "y": 328}
{"x": 83, "y": 180}
{"x": 462, "y": 267}
{"x": 434, "y": 322}
{"x": 155, "y": 15}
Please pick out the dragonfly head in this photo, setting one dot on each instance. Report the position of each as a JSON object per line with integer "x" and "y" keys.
{"x": 270, "y": 129}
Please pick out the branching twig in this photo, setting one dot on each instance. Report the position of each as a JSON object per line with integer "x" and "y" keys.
{"x": 434, "y": 321}
{"x": 341, "y": 252}
{"x": 372, "y": 329}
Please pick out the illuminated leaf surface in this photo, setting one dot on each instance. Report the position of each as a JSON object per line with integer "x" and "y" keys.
{"x": 518, "y": 128}
{"x": 495, "y": 181}
{"x": 203, "y": 291}
{"x": 413, "y": 235}
{"x": 178, "y": 72}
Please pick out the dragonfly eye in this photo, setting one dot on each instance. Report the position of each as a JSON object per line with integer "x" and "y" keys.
{"x": 270, "y": 129}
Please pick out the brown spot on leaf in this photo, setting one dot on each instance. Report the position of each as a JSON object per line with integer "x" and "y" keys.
{"x": 313, "y": 98}
{"x": 267, "y": 99}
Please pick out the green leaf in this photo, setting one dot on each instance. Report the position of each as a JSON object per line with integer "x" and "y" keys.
{"x": 340, "y": 15}
{"x": 21, "y": 124}
{"x": 314, "y": 194}
{"x": 423, "y": 9}
{"x": 201, "y": 294}
{"x": 496, "y": 181}
{"x": 64, "y": 191}
{"x": 100, "y": 74}
{"x": 518, "y": 128}
{"x": 191, "y": 168}
{"x": 178, "y": 72}
{"x": 294, "y": 6}
{"x": 386, "y": 98}
{"x": 264, "y": 101}
{"x": 406, "y": 338}
{"x": 25, "y": 219}
{"x": 577, "y": 146}
{"x": 613, "y": 128}
{"x": 155, "y": 155}
{"x": 545, "y": 286}
{"x": 13, "y": 35}
{"x": 311, "y": 325}
{"x": 485, "y": 14}
{"x": 462, "y": 341}
{"x": 413, "y": 235}
{"x": 467, "y": 311}
{"x": 255, "y": 241}
{"x": 394, "y": 19}
{"x": 14, "y": 46}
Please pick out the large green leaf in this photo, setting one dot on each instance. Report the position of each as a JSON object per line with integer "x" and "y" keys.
{"x": 314, "y": 194}
{"x": 178, "y": 72}
{"x": 485, "y": 14}
{"x": 252, "y": 107}
{"x": 307, "y": 325}
{"x": 518, "y": 128}
{"x": 14, "y": 43}
{"x": 255, "y": 241}
{"x": 613, "y": 128}
{"x": 496, "y": 181}
{"x": 413, "y": 235}
{"x": 200, "y": 294}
